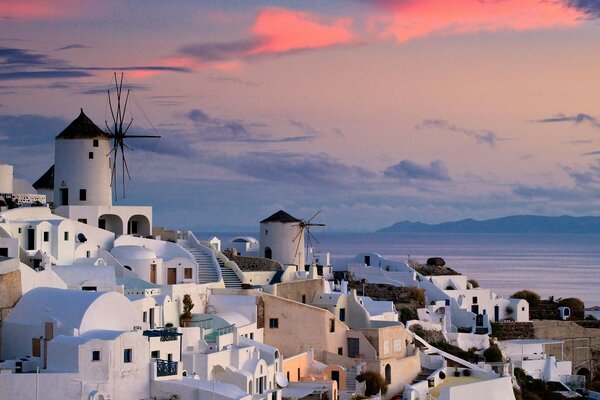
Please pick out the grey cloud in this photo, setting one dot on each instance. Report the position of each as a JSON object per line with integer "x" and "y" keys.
{"x": 73, "y": 46}
{"x": 481, "y": 136}
{"x": 304, "y": 127}
{"x": 407, "y": 170}
{"x": 576, "y": 119}
{"x": 219, "y": 51}
{"x": 293, "y": 168}
{"x": 103, "y": 89}
{"x": 231, "y": 130}
{"x": 585, "y": 178}
{"x": 542, "y": 192}
{"x": 591, "y": 153}
{"x": 590, "y": 7}
{"x": 20, "y": 64}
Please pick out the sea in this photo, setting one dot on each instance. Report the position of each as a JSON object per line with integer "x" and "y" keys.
{"x": 551, "y": 265}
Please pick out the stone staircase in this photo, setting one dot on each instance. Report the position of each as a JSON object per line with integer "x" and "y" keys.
{"x": 351, "y": 380}
{"x": 206, "y": 269}
{"x": 423, "y": 375}
{"x": 230, "y": 278}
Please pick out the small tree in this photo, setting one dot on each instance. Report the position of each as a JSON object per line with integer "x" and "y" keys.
{"x": 493, "y": 354}
{"x": 532, "y": 297}
{"x": 187, "y": 306}
{"x": 474, "y": 283}
{"x": 374, "y": 383}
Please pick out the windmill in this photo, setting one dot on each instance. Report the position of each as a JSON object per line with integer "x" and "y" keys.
{"x": 118, "y": 133}
{"x": 306, "y": 225}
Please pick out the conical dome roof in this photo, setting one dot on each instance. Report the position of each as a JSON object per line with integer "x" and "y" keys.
{"x": 280, "y": 216}
{"x": 82, "y": 128}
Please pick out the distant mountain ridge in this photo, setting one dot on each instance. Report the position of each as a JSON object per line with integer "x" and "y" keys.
{"x": 510, "y": 224}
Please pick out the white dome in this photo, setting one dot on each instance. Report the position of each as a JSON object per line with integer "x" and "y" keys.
{"x": 130, "y": 252}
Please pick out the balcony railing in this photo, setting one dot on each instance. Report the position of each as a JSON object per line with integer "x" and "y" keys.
{"x": 166, "y": 368}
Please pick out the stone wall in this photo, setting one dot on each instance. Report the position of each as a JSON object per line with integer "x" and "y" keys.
{"x": 513, "y": 330}
{"x": 580, "y": 344}
{"x": 10, "y": 290}
{"x": 252, "y": 263}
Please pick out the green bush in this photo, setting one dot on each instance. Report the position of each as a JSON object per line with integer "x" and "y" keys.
{"x": 374, "y": 383}
{"x": 532, "y": 297}
{"x": 493, "y": 354}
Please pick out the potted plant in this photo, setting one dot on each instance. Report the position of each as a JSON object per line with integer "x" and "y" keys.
{"x": 186, "y": 317}
{"x": 456, "y": 371}
{"x": 467, "y": 372}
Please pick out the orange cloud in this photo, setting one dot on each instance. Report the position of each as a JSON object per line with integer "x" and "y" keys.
{"x": 411, "y": 19}
{"x": 283, "y": 30}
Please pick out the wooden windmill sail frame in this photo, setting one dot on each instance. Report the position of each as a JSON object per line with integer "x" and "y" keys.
{"x": 305, "y": 225}
{"x": 118, "y": 133}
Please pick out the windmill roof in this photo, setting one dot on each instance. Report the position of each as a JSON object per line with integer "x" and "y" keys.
{"x": 82, "y": 128}
{"x": 281, "y": 216}
{"x": 45, "y": 181}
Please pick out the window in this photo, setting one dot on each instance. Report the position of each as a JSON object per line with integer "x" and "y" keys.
{"x": 155, "y": 354}
{"x": 397, "y": 345}
{"x": 386, "y": 347}
{"x": 522, "y": 308}
{"x": 82, "y": 195}
{"x": 341, "y": 351}
{"x": 96, "y": 355}
{"x": 342, "y": 314}
{"x": 4, "y": 251}
{"x": 332, "y": 325}
{"x": 82, "y": 220}
{"x": 20, "y": 230}
{"x": 89, "y": 288}
{"x": 274, "y": 323}
{"x": 91, "y": 155}
{"x": 252, "y": 335}
{"x": 66, "y": 236}
{"x": 145, "y": 317}
{"x": 388, "y": 374}
{"x": 127, "y": 355}
{"x": 474, "y": 299}
{"x": 266, "y": 231}
{"x": 304, "y": 299}
{"x": 187, "y": 273}
{"x": 46, "y": 236}
{"x": 88, "y": 254}
{"x": 95, "y": 142}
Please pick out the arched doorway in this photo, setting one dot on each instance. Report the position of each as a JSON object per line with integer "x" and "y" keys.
{"x": 138, "y": 225}
{"x": 388, "y": 374}
{"x": 268, "y": 253}
{"x": 585, "y": 372}
{"x": 112, "y": 223}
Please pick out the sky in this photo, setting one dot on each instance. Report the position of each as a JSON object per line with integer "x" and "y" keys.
{"x": 371, "y": 111}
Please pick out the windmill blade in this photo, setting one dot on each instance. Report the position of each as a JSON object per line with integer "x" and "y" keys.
{"x": 298, "y": 245}
{"x": 298, "y": 234}
{"x": 310, "y": 234}
{"x": 311, "y": 218}
{"x": 315, "y": 224}
{"x": 142, "y": 136}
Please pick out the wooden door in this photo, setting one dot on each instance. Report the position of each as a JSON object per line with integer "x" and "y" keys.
{"x": 171, "y": 276}
{"x": 153, "y": 273}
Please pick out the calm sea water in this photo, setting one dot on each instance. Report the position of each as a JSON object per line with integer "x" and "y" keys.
{"x": 557, "y": 265}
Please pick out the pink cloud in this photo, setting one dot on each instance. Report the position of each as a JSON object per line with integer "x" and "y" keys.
{"x": 35, "y": 9}
{"x": 409, "y": 19}
{"x": 283, "y": 30}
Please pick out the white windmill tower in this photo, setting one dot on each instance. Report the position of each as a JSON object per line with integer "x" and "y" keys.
{"x": 282, "y": 238}
{"x": 86, "y": 163}
{"x": 81, "y": 165}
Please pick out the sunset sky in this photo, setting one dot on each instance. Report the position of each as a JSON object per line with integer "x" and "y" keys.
{"x": 371, "y": 111}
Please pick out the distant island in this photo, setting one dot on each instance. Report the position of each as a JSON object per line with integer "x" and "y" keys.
{"x": 510, "y": 224}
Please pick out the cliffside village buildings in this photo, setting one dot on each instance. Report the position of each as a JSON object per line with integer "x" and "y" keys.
{"x": 97, "y": 303}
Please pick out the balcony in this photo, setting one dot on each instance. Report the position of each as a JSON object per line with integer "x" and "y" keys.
{"x": 166, "y": 368}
